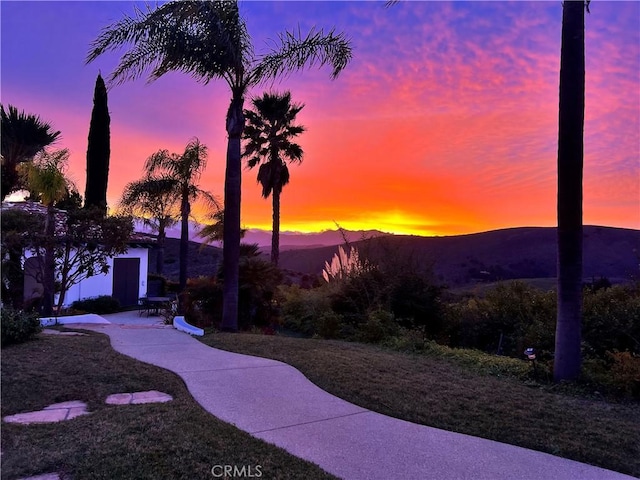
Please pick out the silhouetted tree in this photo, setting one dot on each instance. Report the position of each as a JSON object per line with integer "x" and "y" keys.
{"x": 45, "y": 177}
{"x": 567, "y": 360}
{"x": 269, "y": 133}
{"x": 155, "y": 200}
{"x": 214, "y": 232}
{"x": 185, "y": 171}
{"x": 208, "y": 40}
{"x": 22, "y": 137}
{"x": 98, "y": 150}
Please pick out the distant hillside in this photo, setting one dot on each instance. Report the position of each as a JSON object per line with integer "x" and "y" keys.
{"x": 292, "y": 240}
{"x": 203, "y": 259}
{"x": 527, "y": 252}
{"x": 288, "y": 239}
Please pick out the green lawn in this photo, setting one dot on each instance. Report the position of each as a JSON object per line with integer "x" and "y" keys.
{"x": 453, "y": 395}
{"x": 174, "y": 440}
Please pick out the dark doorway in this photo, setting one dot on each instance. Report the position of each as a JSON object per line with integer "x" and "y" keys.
{"x": 126, "y": 280}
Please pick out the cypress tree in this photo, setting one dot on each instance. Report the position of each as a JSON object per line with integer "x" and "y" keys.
{"x": 98, "y": 150}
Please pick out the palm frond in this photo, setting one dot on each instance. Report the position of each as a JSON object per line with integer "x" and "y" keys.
{"x": 205, "y": 39}
{"x": 23, "y": 135}
{"x": 293, "y": 52}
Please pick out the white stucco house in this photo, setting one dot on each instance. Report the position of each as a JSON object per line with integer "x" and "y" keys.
{"x": 126, "y": 279}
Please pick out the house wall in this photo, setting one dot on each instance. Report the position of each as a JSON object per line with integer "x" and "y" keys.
{"x": 102, "y": 284}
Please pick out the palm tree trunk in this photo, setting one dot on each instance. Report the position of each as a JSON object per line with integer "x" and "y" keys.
{"x": 49, "y": 271}
{"x": 231, "y": 230}
{"x": 275, "y": 231}
{"x": 160, "y": 253}
{"x": 570, "y": 161}
{"x": 184, "y": 240}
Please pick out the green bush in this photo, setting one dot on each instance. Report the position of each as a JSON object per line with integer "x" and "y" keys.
{"x": 380, "y": 325}
{"x": 202, "y": 301}
{"x": 100, "y": 305}
{"x": 259, "y": 280}
{"x": 519, "y": 313}
{"x": 307, "y": 311}
{"x": 18, "y": 326}
{"x": 611, "y": 320}
{"x": 328, "y": 325}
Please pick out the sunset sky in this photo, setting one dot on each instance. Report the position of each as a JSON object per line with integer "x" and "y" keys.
{"x": 445, "y": 121}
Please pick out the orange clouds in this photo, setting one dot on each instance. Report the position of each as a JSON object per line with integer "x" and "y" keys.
{"x": 445, "y": 122}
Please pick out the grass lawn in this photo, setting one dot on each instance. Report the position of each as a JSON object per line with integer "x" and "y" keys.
{"x": 446, "y": 394}
{"x": 174, "y": 440}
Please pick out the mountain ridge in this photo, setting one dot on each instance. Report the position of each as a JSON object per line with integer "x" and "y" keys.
{"x": 517, "y": 252}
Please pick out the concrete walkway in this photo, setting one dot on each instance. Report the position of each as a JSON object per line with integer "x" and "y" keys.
{"x": 276, "y": 403}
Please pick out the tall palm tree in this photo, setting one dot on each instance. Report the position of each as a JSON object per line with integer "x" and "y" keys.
{"x": 269, "y": 133}
{"x": 567, "y": 359}
{"x": 154, "y": 199}
{"x": 45, "y": 178}
{"x": 23, "y": 136}
{"x": 185, "y": 170}
{"x": 209, "y": 40}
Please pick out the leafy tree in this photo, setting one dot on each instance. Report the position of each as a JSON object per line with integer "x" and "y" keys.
{"x": 14, "y": 225}
{"x": 155, "y": 201}
{"x": 209, "y": 40}
{"x": 45, "y": 177}
{"x": 17, "y": 224}
{"x": 86, "y": 245}
{"x": 567, "y": 360}
{"x": 184, "y": 171}
{"x": 269, "y": 133}
{"x": 82, "y": 245}
{"x": 23, "y": 136}
{"x": 98, "y": 150}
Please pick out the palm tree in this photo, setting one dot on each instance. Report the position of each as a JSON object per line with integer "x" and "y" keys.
{"x": 45, "y": 179}
{"x": 155, "y": 201}
{"x": 570, "y": 161}
{"x": 214, "y": 232}
{"x": 23, "y": 136}
{"x": 185, "y": 171}
{"x": 209, "y": 40}
{"x": 269, "y": 133}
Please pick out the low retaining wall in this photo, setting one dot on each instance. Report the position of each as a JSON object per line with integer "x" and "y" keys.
{"x": 87, "y": 318}
{"x": 179, "y": 323}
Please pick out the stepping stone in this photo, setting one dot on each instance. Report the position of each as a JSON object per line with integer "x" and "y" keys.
{"x": 119, "y": 399}
{"x": 53, "y": 413}
{"x": 44, "y": 476}
{"x": 49, "y": 331}
{"x": 152, "y": 396}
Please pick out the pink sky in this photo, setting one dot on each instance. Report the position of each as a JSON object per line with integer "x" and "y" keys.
{"x": 444, "y": 123}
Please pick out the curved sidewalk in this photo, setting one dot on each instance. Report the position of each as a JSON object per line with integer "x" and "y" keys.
{"x": 276, "y": 403}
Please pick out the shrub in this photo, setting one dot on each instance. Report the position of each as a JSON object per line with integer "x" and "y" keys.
{"x": 100, "y": 305}
{"x": 306, "y": 311}
{"x": 18, "y": 326}
{"x": 380, "y": 324}
{"x": 328, "y": 325}
{"x": 202, "y": 301}
{"x": 625, "y": 372}
{"x": 259, "y": 280}
{"x": 611, "y": 320}
{"x": 618, "y": 374}
{"x": 519, "y": 314}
